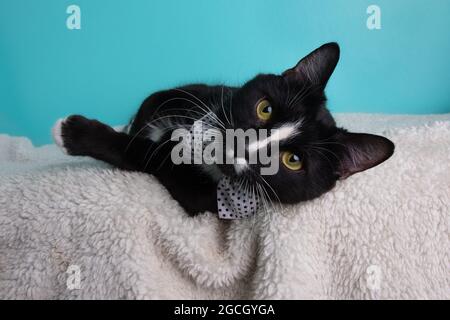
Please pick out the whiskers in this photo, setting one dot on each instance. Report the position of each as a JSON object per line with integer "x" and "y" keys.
{"x": 223, "y": 108}
{"x": 169, "y": 119}
{"x": 220, "y": 106}
{"x": 321, "y": 149}
{"x": 269, "y": 203}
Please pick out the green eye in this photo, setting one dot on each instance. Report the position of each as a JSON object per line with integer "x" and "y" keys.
{"x": 291, "y": 160}
{"x": 264, "y": 110}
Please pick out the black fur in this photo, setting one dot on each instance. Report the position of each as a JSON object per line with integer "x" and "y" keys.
{"x": 329, "y": 153}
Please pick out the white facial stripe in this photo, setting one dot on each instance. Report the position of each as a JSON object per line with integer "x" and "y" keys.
{"x": 283, "y": 133}
{"x": 286, "y": 131}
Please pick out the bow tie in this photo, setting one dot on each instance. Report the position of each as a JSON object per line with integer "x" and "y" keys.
{"x": 233, "y": 202}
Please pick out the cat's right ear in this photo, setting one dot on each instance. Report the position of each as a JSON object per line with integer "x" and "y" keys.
{"x": 361, "y": 151}
{"x": 317, "y": 67}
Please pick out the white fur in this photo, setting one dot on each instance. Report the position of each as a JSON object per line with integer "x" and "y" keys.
{"x": 155, "y": 133}
{"x": 285, "y": 132}
{"x": 57, "y": 135}
{"x": 240, "y": 165}
{"x": 131, "y": 240}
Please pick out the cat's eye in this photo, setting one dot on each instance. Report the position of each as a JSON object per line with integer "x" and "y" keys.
{"x": 264, "y": 110}
{"x": 292, "y": 161}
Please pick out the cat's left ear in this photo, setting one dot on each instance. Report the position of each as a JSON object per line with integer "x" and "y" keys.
{"x": 317, "y": 66}
{"x": 360, "y": 151}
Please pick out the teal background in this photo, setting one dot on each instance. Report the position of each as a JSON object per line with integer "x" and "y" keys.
{"x": 127, "y": 49}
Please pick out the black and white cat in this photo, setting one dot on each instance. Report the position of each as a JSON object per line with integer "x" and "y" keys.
{"x": 313, "y": 152}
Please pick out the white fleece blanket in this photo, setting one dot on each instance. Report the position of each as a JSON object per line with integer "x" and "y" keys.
{"x": 73, "y": 228}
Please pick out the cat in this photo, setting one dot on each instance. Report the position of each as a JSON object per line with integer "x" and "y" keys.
{"x": 313, "y": 152}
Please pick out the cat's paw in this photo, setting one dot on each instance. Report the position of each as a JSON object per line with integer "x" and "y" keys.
{"x": 57, "y": 135}
{"x": 75, "y": 134}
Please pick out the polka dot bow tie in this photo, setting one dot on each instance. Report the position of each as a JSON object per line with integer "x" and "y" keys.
{"x": 233, "y": 202}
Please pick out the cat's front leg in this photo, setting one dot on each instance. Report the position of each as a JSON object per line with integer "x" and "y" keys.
{"x": 79, "y": 136}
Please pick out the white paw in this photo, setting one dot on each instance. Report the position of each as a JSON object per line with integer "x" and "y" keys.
{"x": 57, "y": 135}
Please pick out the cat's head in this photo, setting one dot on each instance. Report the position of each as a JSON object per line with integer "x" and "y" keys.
{"x": 313, "y": 152}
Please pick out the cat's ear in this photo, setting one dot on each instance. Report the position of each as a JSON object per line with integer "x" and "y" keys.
{"x": 361, "y": 151}
{"x": 317, "y": 66}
